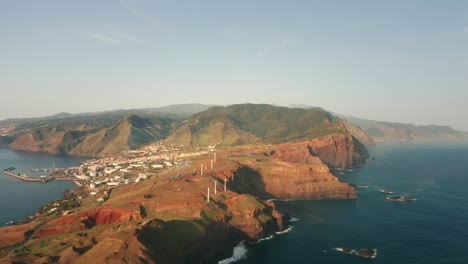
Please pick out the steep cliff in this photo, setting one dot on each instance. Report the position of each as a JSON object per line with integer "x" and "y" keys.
{"x": 336, "y": 150}
{"x": 304, "y": 177}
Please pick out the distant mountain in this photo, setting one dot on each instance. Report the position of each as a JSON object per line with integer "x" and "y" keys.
{"x": 94, "y": 140}
{"x": 183, "y": 110}
{"x": 388, "y": 131}
{"x": 179, "y": 111}
{"x": 384, "y": 131}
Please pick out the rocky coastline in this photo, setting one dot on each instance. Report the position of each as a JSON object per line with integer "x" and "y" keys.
{"x": 131, "y": 223}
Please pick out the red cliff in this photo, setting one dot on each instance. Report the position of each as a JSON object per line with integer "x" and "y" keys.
{"x": 336, "y": 150}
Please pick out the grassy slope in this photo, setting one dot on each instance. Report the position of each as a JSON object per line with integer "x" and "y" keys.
{"x": 248, "y": 123}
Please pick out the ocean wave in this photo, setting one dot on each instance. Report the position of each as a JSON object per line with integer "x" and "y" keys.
{"x": 284, "y": 231}
{"x": 262, "y": 239}
{"x": 239, "y": 253}
{"x": 294, "y": 219}
{"x": 344, "y": 250}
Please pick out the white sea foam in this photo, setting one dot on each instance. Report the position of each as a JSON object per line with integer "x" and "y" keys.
{"x": 294, "y": 219}
{"x": 284, "y": 231}
{"x": 239, "y": 253}
{"x": 387, "y": 191}
{"x": 341, "y": 250}
{"x": 272, "y": 200}
{"x": 262, "y": 239}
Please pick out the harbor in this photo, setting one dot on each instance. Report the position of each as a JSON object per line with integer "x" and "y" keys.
{"x": 24, "y": 177}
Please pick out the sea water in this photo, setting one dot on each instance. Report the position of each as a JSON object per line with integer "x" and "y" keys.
{"x": 431, "y": 229}
{"x": 18, "y": 199}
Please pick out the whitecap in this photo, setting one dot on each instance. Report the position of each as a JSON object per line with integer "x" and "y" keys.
{"x": 239, "y": 253}
{"x": 340, "y": 249}
{"x": 284, "y": 231}
{"x": 294, "y": 219}
{"x": 262, "y": 239}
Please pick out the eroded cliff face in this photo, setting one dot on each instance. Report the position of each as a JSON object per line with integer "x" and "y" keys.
{"x": 336, "y": 150}
{"x": 305, "y": 178}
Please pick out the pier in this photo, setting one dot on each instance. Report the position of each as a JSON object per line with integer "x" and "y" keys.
{"x": 24, "y": 177}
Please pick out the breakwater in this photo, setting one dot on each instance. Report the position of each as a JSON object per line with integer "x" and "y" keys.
{"x": 24, "y": 177}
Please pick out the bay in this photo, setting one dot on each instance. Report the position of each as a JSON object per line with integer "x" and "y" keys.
{"x": 18, "y": 199}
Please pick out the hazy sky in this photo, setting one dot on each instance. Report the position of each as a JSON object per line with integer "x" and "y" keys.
{"x": 401, "y": 61}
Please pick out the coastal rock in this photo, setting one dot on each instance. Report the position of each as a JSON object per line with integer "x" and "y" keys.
{"x": 254, "y": 218}
{"x": 286, "y": 180}
{"x": 367, "y": 253}
{"x": 339, "y": 150}
{"x": 336, "y": 150}
{"x": 401, "y": 199}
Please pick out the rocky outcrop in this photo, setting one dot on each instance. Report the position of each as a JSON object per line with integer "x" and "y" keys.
{"x": 339, "y": 150}
{"x": 226, "y": 220}
{"x": 254, "y": 218}
{"x": 286, "y": 180}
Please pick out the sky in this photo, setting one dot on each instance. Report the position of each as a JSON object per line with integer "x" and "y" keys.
{"x": 399, "y": 61}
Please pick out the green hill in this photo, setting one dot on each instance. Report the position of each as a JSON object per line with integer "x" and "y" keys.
{"x": 130, "y": 132}
{"x": 250, "y": 123}
{"x": 109, "y": 133}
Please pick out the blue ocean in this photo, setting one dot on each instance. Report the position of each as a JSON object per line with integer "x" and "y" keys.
{"x": 18, "y": 199}
{"x": 431, "y": 229}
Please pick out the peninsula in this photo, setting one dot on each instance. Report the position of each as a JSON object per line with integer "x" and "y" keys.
{"x": 190, "y": 196}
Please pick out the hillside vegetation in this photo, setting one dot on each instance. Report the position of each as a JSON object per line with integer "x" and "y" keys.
{"x": 250, "y": 123}
{"x": 105, "y": 134}
{"x": 91, "y": 140}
